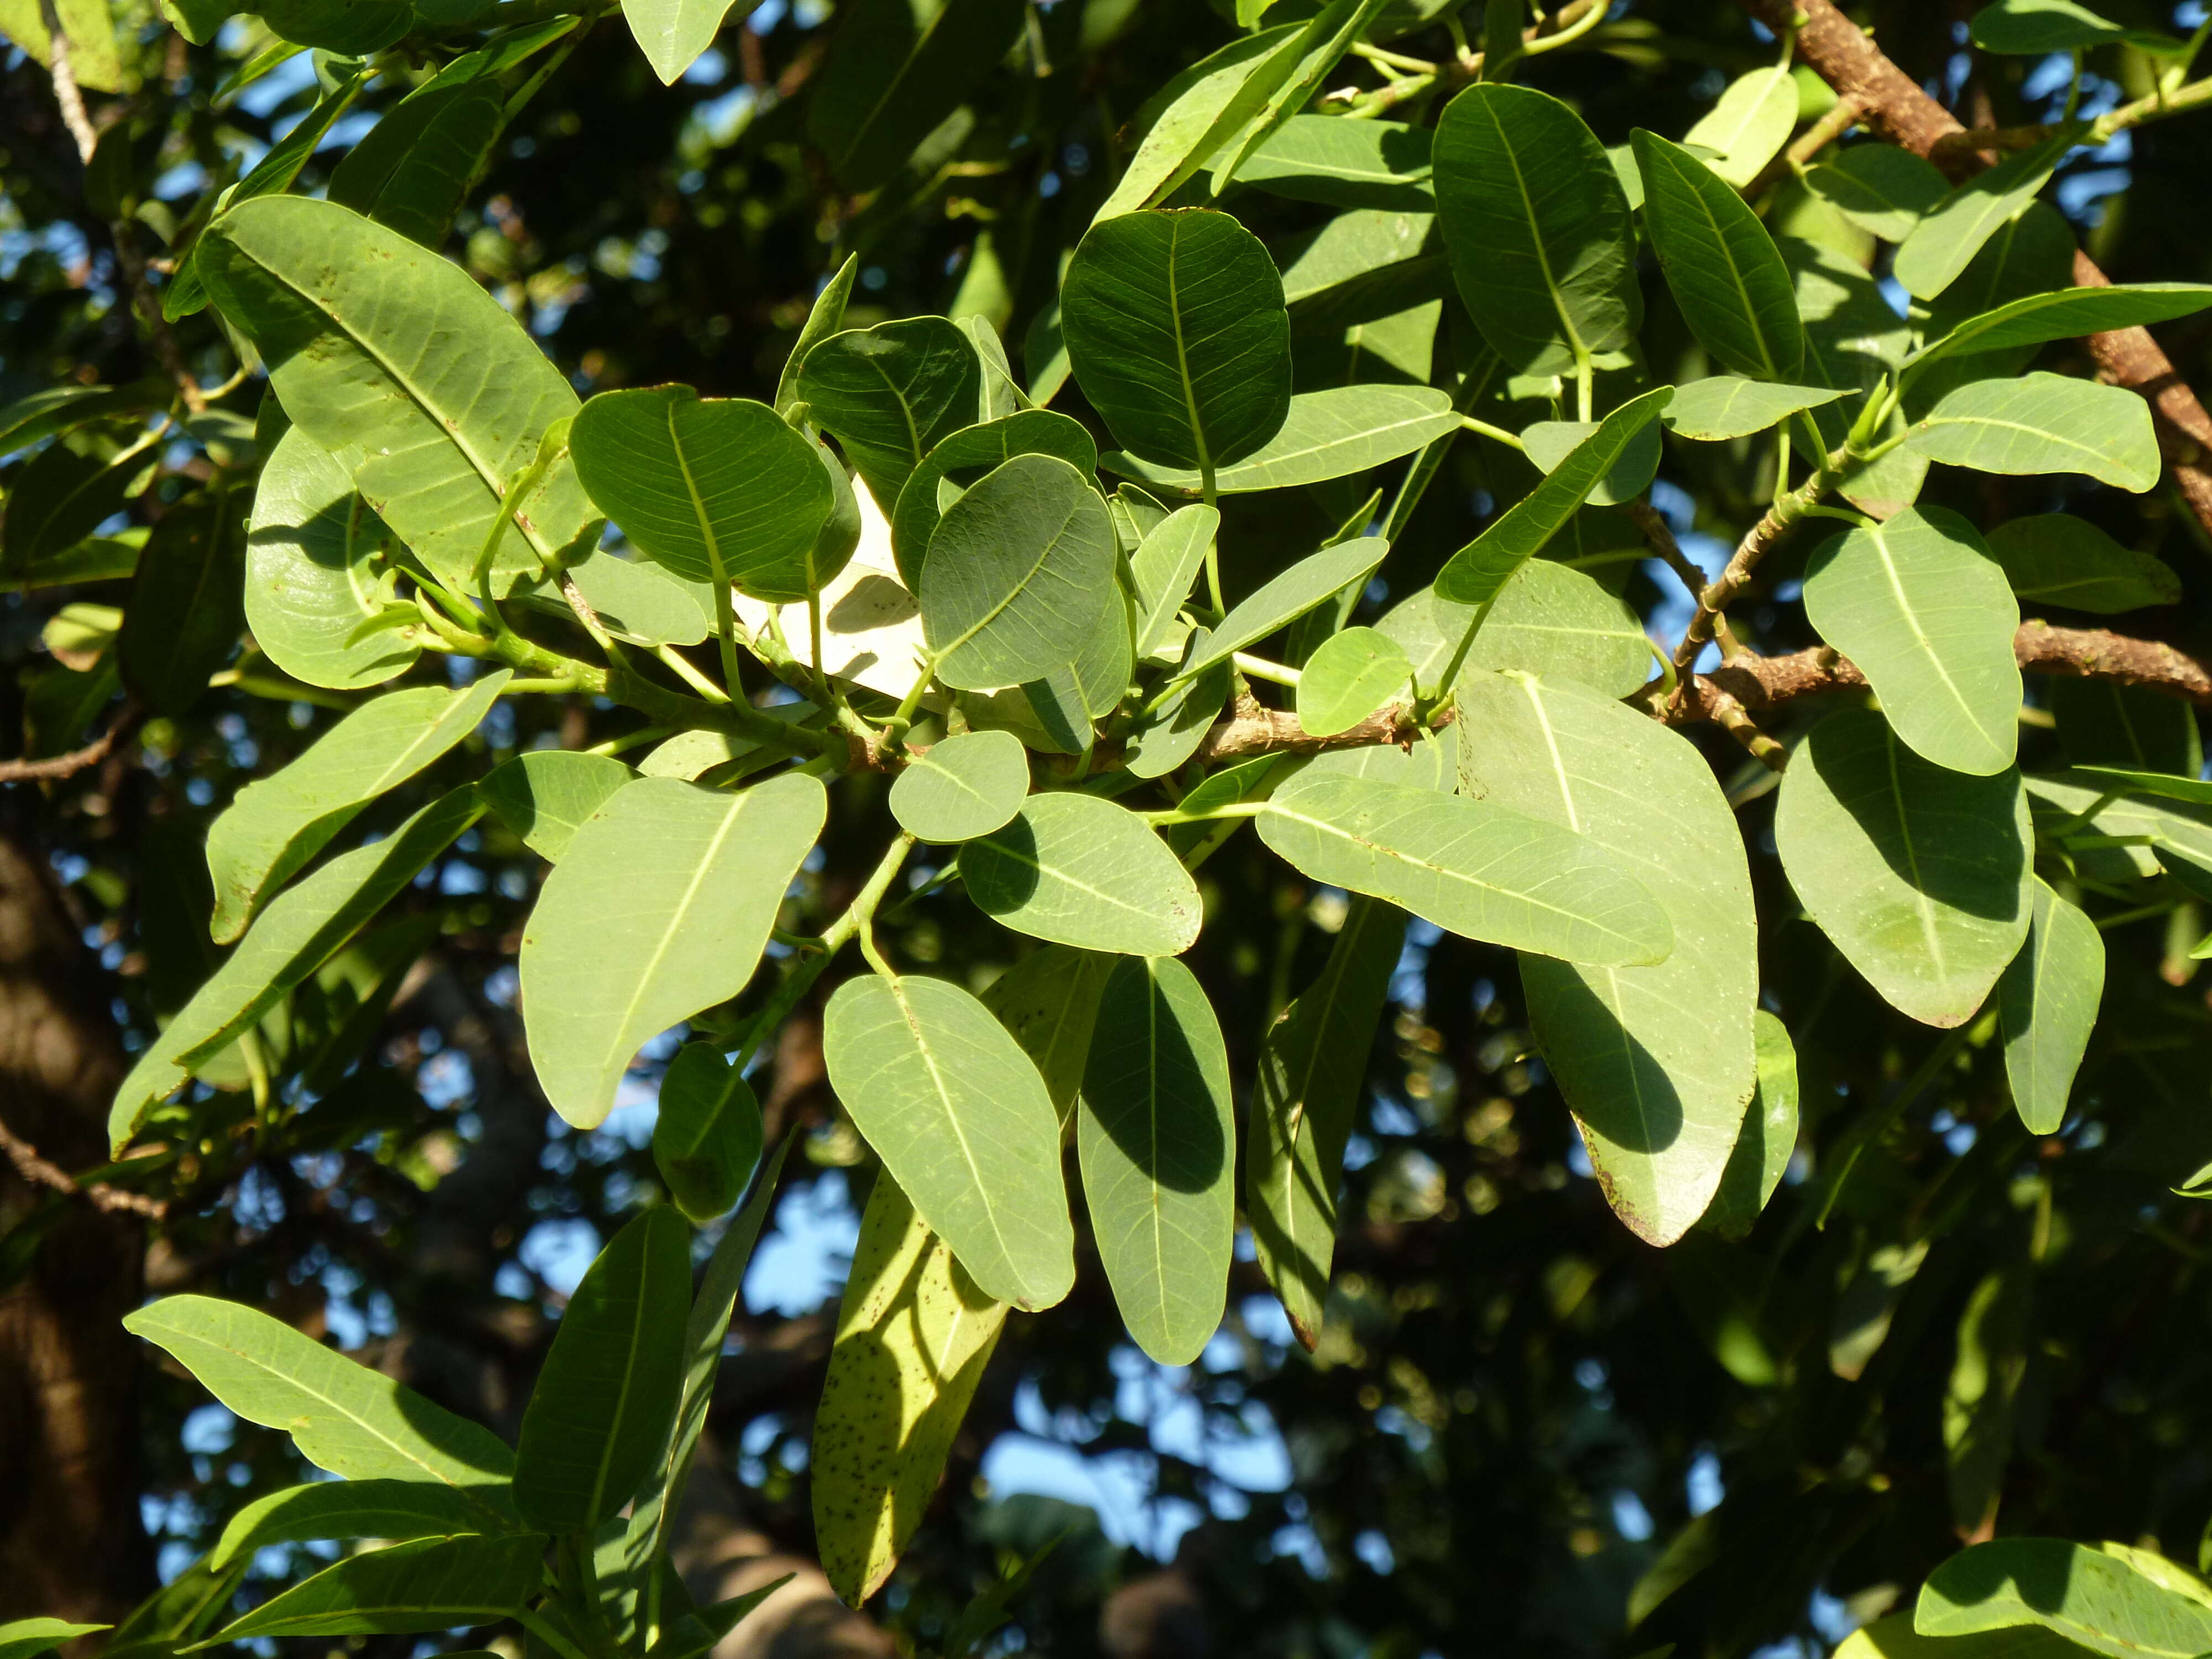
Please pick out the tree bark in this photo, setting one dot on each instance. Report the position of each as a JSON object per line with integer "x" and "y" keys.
{"x": 72, "y": 1542}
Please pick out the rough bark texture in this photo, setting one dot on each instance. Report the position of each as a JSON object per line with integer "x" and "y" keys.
{"x": 1895, "y": 108}
{"x": 71, "y": 1544}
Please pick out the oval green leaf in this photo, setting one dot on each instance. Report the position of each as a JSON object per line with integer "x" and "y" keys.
{"x": 430, "y": 1584}
{"x": 1725, "y": 271}
{"x": 2044, "y": 423}
{"x": 661, "y": 908}
{"x": 1351, "y": 675}
{"x": 1918, "y": 874}
{"x": 2047, "y": 1002}
{"x": 891, "y": 393}
{"x": 2056, "y": 558}
{"x": 1334, "y": 433}
{"x": 345, "y": 1510}
{"x": 1081, "y": 870}
{"x": 965, "y": 786}
{"x": 977, "y": 449}
{"x": 963, "y": 1122}
{"x": 708, "y": 1138}
{"x": 1157, "y": 1137}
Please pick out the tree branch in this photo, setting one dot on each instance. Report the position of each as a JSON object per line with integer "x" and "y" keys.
{"x": 1894, "y": 106}
{"x": 68, "y": 765}
{"x": 38, "y": 1172}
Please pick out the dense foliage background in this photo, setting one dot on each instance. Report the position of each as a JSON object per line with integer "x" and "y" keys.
{"x": 1523, "y": 1429}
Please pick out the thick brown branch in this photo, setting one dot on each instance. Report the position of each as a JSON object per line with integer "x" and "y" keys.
{"x": 1894, "y": 106}
{"x": 1255, "y": 730}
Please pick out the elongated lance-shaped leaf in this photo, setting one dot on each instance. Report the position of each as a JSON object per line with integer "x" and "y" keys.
{"x": 974, "y": 450}
{"x": 345, "y": 1510}
{"x": 430, "y": 1584}
{"x": 825, "y": 317}
{"x": 26, "y": 1638}
{"x": 891, "y": 393}
{"x": 1282, "y": 599}
{"x": 2063, "y": 314}
{"x": 895, "y": 73}
{"x": 2043, "y": 423}
{"x": 1020, "y": 570}
{"x": 276, "y": 825}
{"x": 1724, "y": 270}
{"x": 1087, "y": 872}
{"x": 1917, "y": 873}
{"x": 301, "y": 929}
{"x": 2047, "y": 1002}
{"x": 1953, "y": 232}
{"x": 1304, "y": 1104}
{"x": 707, "y": 1323}
{"x": 343, "y": 1416}
{"x": 1157, "y": 1136}
{"x": 1918, "y": 603}
{"x": 355, "y": 321}
{"x": 2094, "y": 1598}
{"x": 1327, "y": 35}
{"x": 1166, "y": 563}
{"x": 1176, "y": 331}
{"x": 1186, "y": 123}
{"x": 1657, "y": 1063}
{"x": 1335, "y": 433}
{"x": 661, "y": 908}
{"x": 312, "y": 549}
{"x": 1474, "y": 574}
{"x": 1541, "y": 243}
{"x": 963, "y": 1122}
{"x": 707, "y": 1137}
{"x": 716, "y": 490}
{"x": 1482, "y": 870}
{"x": 599, "y": 1417}
{"x": 965, "y": 786}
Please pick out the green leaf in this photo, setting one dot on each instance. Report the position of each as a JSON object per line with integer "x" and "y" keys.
{"x": 1328, "y": 35}
{"x": 963, "y": 1122}
{"x": 1050, "y": 1002}
{"x": 2032, "y": 27}
{"x": 1748, "y": 128}
{"x": 2103, "y": 723}
{"x": 1157, "y": 1137}
{"x": 1353, "y": 674}
{"x": 389, "y": 1509}
{"x": 430, "y": 1584}
{"x": 1189, "y": 118}
{"x": 1475, "y": 574}
{"x": 1547, "y": 443}
{"x": 707, "y": 1137}
{"x": 2044, "y": 423}
{"x": 2059, "y": 559}
{"x": 278, "y": 823}
{"x": 26, "y": 1638}
{"x": 1548, "y": 620}
{"x": 825, "y": 317}
{"x": 1983, "y": 1390}
{"x": 1725, "y": 271}
{"x": 965, "y": 786}
{"x": 1081, "y": 870}
{"x": 1953, "y": 232}
{"x": 1335, "y": 433}
{"x": 351, "y": 28}
{"x": 2047, "y": 1002}
{"x": 1918, "y": 874}
{"x": 311, "y": 549}
{"x": 2133, "y": 836}
{"x": 1893, "y": 1638}
{"x": 343, "y": 1416}
{"x": 1919, "y": 605}
{"x": 2064, "y": 314}
{"x": 661, "y": 908}
{"x": 1541, "y": 243}
{"x": 897, "y": 72}
{"x": 1881, "y": 189}
{"x": 1769, "y": 1136}
{"x": 976, "y": 450}
{"x": 891, "y": 393}
{"x": 1169, "y": 731}
{"x": 354, "y": 320}
{"x": 1346, "y": 164}
{"x": 599, "y": 1416}
{"x": 1313, "y": 1065}
{"x": 42, "y": 415}
{"x": 671, "y": 33}
{"x": 913, "y": 1333}
{"x": 301, "y": 929}
{"x": 1165, "y": 564}
{"x": 413, "y": 167}
{"x": 1176, "y": 332}
{"x": 634, "y": 600}
{"x": 1284, "y": 598}
{"x": 1482, "y": 870}
{"x": 1092, "y": 685}
{"x": 544, "y": 796}
{"x": 186, "y": 607}
{"x": 2091, "y": 1598}
{"x": 1020, "y": 569}
{"x": 1656, "y": 1063}
{"x": 90, "y": 27}
{"x": 61, "y": 496}
{"x": 716, "y": 490}
{"x": 1724, "y": 406}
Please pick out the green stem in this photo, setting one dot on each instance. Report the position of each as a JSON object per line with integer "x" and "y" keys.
{"x": 726, "y": 638}
{"x": 1260, "y": 668}
{"x": 799, "y": 975}
{"x": 1585, "y": 375}
{"x": 1246, "y": 809}
{"x": 1498, "y": 434}
{"x": 1466, "y": 644}
{"x": 1212, "y": 499}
